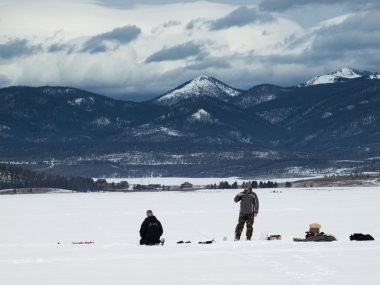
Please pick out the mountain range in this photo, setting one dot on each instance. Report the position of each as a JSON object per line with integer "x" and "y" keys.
{"x": 201, "y": 128}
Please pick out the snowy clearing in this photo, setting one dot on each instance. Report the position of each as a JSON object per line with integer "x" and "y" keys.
{"x": 32, "y": 225}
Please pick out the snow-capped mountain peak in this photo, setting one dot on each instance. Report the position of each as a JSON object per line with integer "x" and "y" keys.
{"x": 343, "y": 74}
{"x": 203, "y": 77}
{"x": 347, "y": 73}
{"x": 200, "y": 86}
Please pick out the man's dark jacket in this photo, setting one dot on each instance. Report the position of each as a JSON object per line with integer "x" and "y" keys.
{"x": 151, "y": 231}
{"x": 249, "y": 203}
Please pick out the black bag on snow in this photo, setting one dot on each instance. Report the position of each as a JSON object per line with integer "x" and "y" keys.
{"x": 361, "y": 237}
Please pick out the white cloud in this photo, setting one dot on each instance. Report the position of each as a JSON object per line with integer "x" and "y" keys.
{"x": 161, "y": 51}
{"x": 279, "y": 5}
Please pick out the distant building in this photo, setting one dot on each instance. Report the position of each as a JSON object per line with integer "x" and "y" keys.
{"x": 186, "y": 186}
{"x": 103, "y": 185}
{"x": 122, "y": 185}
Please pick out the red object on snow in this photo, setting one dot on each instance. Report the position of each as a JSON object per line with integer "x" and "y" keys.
{"x": 310, "y": 234}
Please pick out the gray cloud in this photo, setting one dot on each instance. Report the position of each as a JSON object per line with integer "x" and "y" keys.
{"x": 242, "y": 16}
{"x": 281, "y": 5}
{"x": 359, "y": 33}
{"x": 118, "y": 36}
{"x": 166, "y": 25}
{"x": 171, "y": 24}
{"x": 239, "y": 17}
{"x": 196, "y": 23}
{"x": 18, "y": 47}
{"x": 216, "y": 63}
{"x": 122, "y": 4}
{"x": 58, "y": 47}
{"x": 183, "y": 51}
{"x": 355, "y": 43}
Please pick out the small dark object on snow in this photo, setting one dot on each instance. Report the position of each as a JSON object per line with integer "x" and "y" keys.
{"x": 83, "y": 242}
{"x": 317, "y": 237}
{"x": 361, "y": 237}
{"x": 181, "y": 241}
{"x": 206, "y": 242}
{"x": 298, "y": 239}
{"x": 274, "y": 237}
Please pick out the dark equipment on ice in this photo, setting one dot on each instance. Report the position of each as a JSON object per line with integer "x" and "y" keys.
{"x": 314, "y": 235}
{"x": 361, "y": 237}
{"x": 317, "y": 237}
{"x": 206, "y": 242}
{"x": 274, "y": 237}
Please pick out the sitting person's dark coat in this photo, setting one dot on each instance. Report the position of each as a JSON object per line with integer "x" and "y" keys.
{"x": 151, "y": 230}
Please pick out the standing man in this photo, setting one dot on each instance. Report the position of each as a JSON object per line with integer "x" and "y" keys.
{"x": 151, "y": 230}
{"x": 249, "y": 208}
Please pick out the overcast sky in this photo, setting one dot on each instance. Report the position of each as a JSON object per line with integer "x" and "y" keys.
{"x": 143, "y": 48}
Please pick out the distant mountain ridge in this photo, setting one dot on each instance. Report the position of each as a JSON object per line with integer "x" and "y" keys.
{"x": 203, "y": 127}
{"x": 341, "y": 75}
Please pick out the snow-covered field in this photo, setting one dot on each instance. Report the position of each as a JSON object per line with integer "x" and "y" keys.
{"x": 32, "y": 225}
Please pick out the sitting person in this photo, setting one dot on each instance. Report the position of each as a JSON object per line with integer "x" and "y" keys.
{"x": 151, "y": 230}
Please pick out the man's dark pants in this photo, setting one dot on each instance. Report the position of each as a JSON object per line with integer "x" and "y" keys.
{"x": 244, "y": 218}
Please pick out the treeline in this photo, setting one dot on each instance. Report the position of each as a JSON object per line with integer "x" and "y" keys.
{"x": 12, "y": 177}
{"x": 254, "y": 185}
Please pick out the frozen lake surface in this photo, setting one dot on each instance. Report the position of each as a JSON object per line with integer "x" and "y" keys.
{"x": 32, "y": 225}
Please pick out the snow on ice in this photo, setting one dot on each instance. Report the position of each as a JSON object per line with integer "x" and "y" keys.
{"x": 33, "y": 225}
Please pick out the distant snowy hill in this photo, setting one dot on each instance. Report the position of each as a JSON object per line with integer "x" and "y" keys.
{"x": 200, "y": 86}
{"x": 259, "y": 94}
{"x": 341, "y": 75}
{"x": 202, "y": 122}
